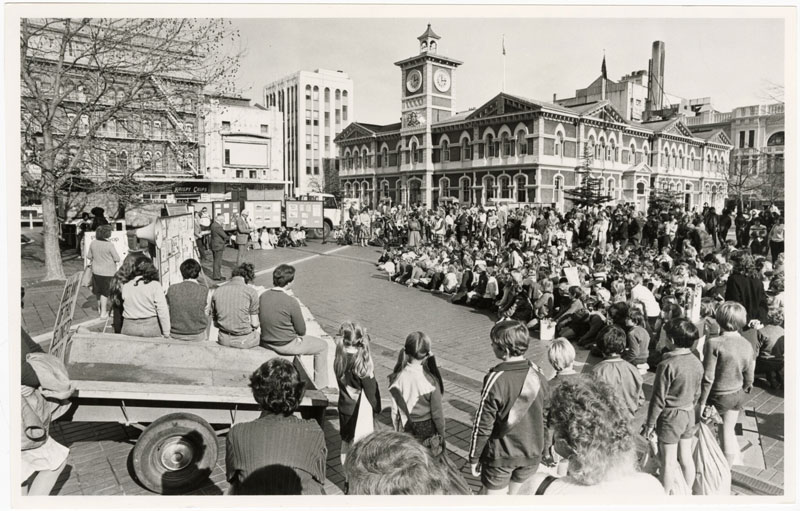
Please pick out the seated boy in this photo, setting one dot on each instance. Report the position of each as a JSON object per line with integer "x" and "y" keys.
{"x": 671, "y": 415}
{"x": 615, "y": 371}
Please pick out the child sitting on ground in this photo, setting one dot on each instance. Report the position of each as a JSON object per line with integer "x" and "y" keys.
{"x": 671, "y": 415}
{"x": 618, "y": 373}
{"x": 561, "y": 355}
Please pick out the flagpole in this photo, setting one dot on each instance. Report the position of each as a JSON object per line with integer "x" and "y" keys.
{"x": 504, "y": 64}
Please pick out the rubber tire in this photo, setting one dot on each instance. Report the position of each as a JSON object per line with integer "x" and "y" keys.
{"x": 325, "y": 232}
{"x": 146, "y": 453}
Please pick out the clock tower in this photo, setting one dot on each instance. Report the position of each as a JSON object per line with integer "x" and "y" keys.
{"x": 426, "y": 98}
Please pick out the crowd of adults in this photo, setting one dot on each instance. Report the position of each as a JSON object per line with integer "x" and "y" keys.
{"x": 665, "y": 291}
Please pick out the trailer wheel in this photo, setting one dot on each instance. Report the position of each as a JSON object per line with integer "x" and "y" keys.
{"x": 175, "y": 453}
{"x": 325, "y": 232}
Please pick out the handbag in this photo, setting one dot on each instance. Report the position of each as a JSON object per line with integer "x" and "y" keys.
{"x": 365, "y": 423}
{"x": 35, "y": 419}
{"x": 86, "y": 279}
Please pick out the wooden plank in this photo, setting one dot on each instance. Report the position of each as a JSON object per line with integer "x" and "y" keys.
{"x": 103, "y": 372}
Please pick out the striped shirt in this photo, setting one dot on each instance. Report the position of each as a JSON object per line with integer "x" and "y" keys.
{"x": 232, "y": 305}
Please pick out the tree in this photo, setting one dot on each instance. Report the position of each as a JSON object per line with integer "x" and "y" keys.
{"x": 663, "y": 201}
{"x": 742, "y": 176}
{"x": 590, "y": 191}
{"x": 83, "y": 77}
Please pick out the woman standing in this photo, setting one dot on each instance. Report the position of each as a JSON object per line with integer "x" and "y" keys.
{"x": 745, "y": 287}
{"x": 416, "y": 388}
{"x": 729, "y": 366}
{"x": 776, "y": 236}
{"x": 414, "y": 237}
{"x": 103, "y": 260}
{"x": 277, "y": 453}
{"x": 144, "y": 307}
{"x": 366, "y": 225}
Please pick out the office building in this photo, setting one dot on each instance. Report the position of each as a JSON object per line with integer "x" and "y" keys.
{"x": 316, "y": 106}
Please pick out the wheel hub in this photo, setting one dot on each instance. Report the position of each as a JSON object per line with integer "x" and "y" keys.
{"x": 176, "y": 454}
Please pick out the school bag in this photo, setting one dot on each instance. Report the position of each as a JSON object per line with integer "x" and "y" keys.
{"x": 713, "y": 471}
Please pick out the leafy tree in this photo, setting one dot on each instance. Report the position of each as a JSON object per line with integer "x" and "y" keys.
{"x": 80, "y": 76}
{"x": 663, "y": 201}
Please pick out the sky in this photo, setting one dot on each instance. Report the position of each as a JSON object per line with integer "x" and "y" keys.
{"x": 729, "y": 60}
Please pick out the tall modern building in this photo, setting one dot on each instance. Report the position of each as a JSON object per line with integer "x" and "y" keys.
{"x": 316, "y": 106}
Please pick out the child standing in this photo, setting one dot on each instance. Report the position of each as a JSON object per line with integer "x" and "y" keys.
{"x": 618, "y": 373}
{"x": 671, "y": 415}
{"x": 508, "y": 436}
{"x": 354, "y": 371}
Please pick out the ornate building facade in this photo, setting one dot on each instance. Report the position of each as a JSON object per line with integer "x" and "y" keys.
{"x": 518, "y": 149}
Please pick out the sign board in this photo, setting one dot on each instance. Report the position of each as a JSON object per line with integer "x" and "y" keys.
{"x": 174, "y": 240}
{"x": 228, "y": 210}
{"x": 118, "y": 238}
{"x": 572, "y": 276}
{"x": 175, "y": 209}
{"x": 306, "y": 213}
{"x": 66, "y": 310}
{"x": 264, "y": 213}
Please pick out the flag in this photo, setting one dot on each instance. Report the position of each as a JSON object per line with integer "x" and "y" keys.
{"x": 504, "y": 44}
{"x": 603, "y": 69}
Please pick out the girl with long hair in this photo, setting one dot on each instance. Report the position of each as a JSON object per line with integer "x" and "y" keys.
{"x": 145, "y": 312}
{"x": 416, "y": 387}
{"x": 123, "y": 275}
{"x": 355, "y": 375}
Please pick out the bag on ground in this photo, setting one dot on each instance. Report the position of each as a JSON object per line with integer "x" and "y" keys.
{"x": 35, "y": 418}
{"x": 713, "y": 471}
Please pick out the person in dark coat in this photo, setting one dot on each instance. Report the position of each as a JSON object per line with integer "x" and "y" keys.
{"x": 219, "y": 238}
{"x": 723, "y": 226}
{"x": 99, "y": 218}
{"x": 745, "y": 287}
{"x": 712, "y": 225}
{"x": 635, "y": 230}
{"x": 742, "y": 236}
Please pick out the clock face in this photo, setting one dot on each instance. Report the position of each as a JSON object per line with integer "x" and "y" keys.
{"x": 442, "y": 80}
{"x": 414, "y": 80}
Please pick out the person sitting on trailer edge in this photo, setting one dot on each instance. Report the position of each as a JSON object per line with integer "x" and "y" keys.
{"x": 188, "y": 305}
{"x": 234, "y": 307}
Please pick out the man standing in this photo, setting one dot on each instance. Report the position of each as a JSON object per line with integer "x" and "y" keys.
{"x": 219, "y": 238}
{"x": 234, "y": 307}
{"x": 198, "y": 236}
{"x": 242, "y": 236}
{"x": 283, "y": 329}
{"x": 712, "y": 226}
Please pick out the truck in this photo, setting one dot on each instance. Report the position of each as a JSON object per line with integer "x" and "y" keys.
{"x": 332, "y": 212}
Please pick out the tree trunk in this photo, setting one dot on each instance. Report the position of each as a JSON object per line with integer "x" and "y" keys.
{"x": 52, "y": 251}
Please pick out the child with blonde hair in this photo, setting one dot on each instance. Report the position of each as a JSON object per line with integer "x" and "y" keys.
{"x": 355, "y": 375}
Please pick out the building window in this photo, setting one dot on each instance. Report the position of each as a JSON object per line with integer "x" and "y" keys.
{"x": 147, "y": 161}
{"x": 308, "y": 93}
{"x": 507, "y": 146}
{"x": 158, "y": 162}
{"x": 327, "y": 119}
{"x": 338, "y": 117}
{"x": 490, "y": 146}
{"x": 522, "y": 145}
{"x": 112, "y": 160}
{"x": 776, "y": 139}
{"x": 308, "y": 142}
{"x": 505, "y": 187}
{"x": 522, "y": 192}
{"x": 253, "y": 174}
{"x": 239, "y": 174}
{"x": 741, "y": 138}
{"x": 414, "y": 152}
{"x": 445, "y": 151}
{"x": 327, "y": 95}
{"x": 188, "y": 128}
{"x": 327, "y": 143}
{"x": 316, "y": 170}
{"x": 157, "y": 130}
{"x": 123, "y": 160}
{"x": 308, "y": 166}
{"x": 265, "y": 129}
{"x": 227, "y": 156}
{"x": 344, "y": 113}
{"x": 558, "y": 143}
{"x": 226, "y": 125}
{"x": 751, "y": 138}
{"x": 316, "y": 93}
{"x": 146, "y": 129}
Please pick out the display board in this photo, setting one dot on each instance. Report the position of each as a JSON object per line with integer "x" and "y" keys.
{"x": 175, "y": 209}
{"x": 572, "y": 276}
{"x": 66, "y": 310}
{"x": 228, "y": 210}
{"x": 174, "y": 240}
{"x": 306, "y": 213}
{"x": 118, "y": 238}
{"x": 264, "y": 213}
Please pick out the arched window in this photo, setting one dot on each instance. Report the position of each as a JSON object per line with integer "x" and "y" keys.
{"x": 158, "y": 162}
{"x": 157, "y": 130}
{"x": 488, "y": 188}
{"x": 445, "y": 151}
{"x": 522, "y": 144}
{"x": 112, "y": 160}
{"x": 433, "y": 47}
{"x": 358, "y": 160}
{"x": 466, "y": 149}
{"x": 505, "y": 187}
{"x": 776, "y": 139}
{"x": 308, "y": 93}
{"x": 146, "y": 129}
{"x": 639, "y": 188}
{"x": 490, "y": 152}
{"x": 414, "y": 191}
{"x": 612, "y": 191}
{"x": 522, "y": 188}
{"x": 123, "y": 160}
{"x": 464, "y": 188}
{"x": 147, "y": 161}
{"x": 327, "y": 95}
{"x": 665, "y": 163}
{"x": 508, "y": 146}
{"x": 559, "y": 143}
{"x": 338, "y": 95}
{"x": 646, "y": 155}
{"x": 385, "y": 190}
{"x": 385, "y": 156}
{"x": 414, "y": 152}
{"x": 444, "y": 187}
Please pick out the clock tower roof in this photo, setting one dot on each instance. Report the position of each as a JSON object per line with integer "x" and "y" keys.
{"x": 428, "y": 34}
